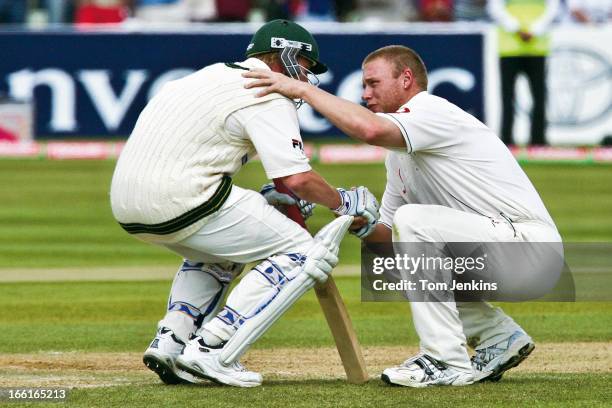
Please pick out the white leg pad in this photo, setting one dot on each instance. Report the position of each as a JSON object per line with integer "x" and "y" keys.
{"x": 316, "y": 268}
{"x": 254, "y": 327}
{"x": 196, "y": 295}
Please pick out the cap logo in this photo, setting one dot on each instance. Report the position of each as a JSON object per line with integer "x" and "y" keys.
{"x": 278, "y": 42}
{"x": 251, "y": 45}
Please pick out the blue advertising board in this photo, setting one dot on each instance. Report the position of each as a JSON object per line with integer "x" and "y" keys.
{"x": 94, "y": 84}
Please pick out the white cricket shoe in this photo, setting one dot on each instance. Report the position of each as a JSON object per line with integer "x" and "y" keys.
{"x": 490, "y": 363}
{"x": 161, "y": 355}
{"x": 423, "y": 371}
{"x": 202, "y": 361}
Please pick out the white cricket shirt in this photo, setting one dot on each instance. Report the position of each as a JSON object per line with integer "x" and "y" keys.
{"x": 453, "y": 159}
{"x": 195, "y": 134}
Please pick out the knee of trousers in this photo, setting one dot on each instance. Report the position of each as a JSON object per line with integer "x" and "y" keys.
{"x": 286, "y": 285}
{"x": 260, "y": 321}
{"x": 411, "y": 223}
{"x": 196, "y": 292}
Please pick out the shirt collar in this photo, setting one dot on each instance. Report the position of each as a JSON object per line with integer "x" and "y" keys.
{"x": 254, "y": 63}
{"x": 414, "y": 100}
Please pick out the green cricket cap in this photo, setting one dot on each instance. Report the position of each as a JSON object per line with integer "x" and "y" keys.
{"x": 278, "y": 34}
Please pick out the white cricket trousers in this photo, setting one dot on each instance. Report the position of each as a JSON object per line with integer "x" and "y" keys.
{"x": 444, "y": 328}
{"x": 246, "y": 229}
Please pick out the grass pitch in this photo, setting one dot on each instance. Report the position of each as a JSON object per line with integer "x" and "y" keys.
{"x": 121, "y": 316}
{"x": 57, "y": 214}
{"x": 89, "y": 334}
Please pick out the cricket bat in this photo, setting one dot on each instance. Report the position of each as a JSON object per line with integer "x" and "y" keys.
{"x": 335, "y": 313}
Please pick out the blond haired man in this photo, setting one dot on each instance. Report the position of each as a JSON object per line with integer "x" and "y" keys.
{"x": 449, "y": 179}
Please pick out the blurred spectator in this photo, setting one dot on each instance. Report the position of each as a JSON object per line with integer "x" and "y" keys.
{"x": 233, "y": 10}
{"x": 308, "y": 10}
{"x": 344, "y": 9}
{"x": 281, "y": 9}
{"x": 162, "y": 11}
{"x": 590, "y": 11}
{"x": 202, "y": 10}
{"x": 387, "y": 10}
{"x": 523, "y": 47}
{"x": 100, "y": 12}
{"x": 59, "y": 11}
{"x": 436, "y": 10}
{"x": 13, "y": 11}
{"x": 470, "y": 10}
{"x": 182, "y": 11}
{"x": 317, "y": 10}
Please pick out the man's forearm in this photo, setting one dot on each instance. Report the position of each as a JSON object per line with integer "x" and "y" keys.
{"x": 347, "y": 116}
{"x": 379, "y": 242}
{"x": 351, "y": 118}
{"x": 381, "y": 234}
{"x": 310, "y": 186}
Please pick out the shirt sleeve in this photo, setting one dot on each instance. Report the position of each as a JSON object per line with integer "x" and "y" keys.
{"x": 498, "y": 13}
{"x": 392, "y": 198}
{"x": 424, "y": 130}
{"x": 273, "y": 129}
{"x": 543, "y": 24}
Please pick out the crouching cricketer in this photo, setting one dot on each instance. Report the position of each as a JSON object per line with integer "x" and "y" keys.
{"x": 450, "y": 179}
{"x": 173, "y": 187}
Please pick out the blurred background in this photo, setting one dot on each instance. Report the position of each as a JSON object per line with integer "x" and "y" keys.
{"x": 74, "y": 76}
{"x": 43, "y": 12}
{"x": 539, "y": 72}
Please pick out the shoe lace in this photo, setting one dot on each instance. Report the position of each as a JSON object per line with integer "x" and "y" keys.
{"x": 238, "y": 367}
{"x": 412, "y": 360}
{"x": 481, "y": 359}
{"x": 485, "y": 355}
{"x": 432, "y": 368}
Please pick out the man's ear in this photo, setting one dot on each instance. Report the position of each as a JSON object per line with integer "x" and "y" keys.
{"x": 277, "y": 67}
{"x": 407, "y": 78}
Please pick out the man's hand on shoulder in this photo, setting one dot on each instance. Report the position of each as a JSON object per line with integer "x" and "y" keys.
{"x": 272, "y": 82}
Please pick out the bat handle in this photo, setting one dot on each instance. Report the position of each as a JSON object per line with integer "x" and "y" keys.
{"x": 335, "y": 312}
{"x": 292, "y": 211}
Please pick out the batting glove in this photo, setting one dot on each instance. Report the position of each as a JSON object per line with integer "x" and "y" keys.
{"x": 278, "y": 200}
{"x": 319, "y": 262}
{"x": 359, "y": 202}
{"x": 364, "y": 231}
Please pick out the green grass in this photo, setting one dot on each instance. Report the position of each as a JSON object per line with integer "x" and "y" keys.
{"x": 121, "y": 316}
{"x": 535, "y": 390}
{"x": 56, "y": 213}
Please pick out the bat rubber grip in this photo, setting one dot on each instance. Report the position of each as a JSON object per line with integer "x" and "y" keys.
{"x": 292, "y": 211}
